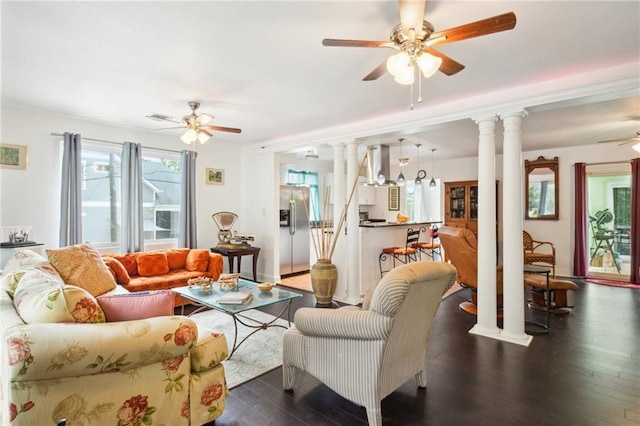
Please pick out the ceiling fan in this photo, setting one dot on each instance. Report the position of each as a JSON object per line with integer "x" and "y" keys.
{"x": 635, "y": 140}
{"x": 415, "y": 38}
{"x": 196, "y": 126}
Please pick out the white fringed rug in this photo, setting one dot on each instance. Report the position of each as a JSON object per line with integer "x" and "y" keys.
{"x": 259, "y": 354}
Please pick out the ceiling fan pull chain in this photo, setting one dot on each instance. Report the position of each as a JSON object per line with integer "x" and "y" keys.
{"x": 419, "y": 88}
{"x": 411, "y": 96}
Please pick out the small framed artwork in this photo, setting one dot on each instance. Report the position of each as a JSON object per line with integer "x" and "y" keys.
{"x": 215, "y": 176}
{"x": 13, "y": 156}
{"x": 394, "y": 198}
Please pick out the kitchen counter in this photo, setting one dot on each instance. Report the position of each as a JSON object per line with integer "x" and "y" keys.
{"x": 386, "y": 224}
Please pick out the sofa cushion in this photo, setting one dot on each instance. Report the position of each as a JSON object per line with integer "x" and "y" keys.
{"x": 118, "y": 270}
{"x": 177, "y": 258}
{"x": 81, "y": 265}
{"x": 129, "y": 261}
{"x": 197, "y": 260}
{"x": 134, "y": 306}
{"x": 152, "y": 264}
{"x": 43, "y": 298}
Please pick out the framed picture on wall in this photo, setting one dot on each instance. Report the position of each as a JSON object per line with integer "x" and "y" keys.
{"x": 394, "y": 198}
{"x": 214, "y": 176}
{"x": 13, "y": 156}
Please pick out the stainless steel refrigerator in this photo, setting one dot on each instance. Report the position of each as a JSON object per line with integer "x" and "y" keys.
{"x": 295, "y": 238}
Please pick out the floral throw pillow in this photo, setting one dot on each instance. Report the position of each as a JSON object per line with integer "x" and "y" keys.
{"x": 81, "y": 265}
{"x": 41, "y": 298}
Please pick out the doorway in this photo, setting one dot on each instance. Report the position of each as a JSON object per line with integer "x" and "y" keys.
{"x": 609, "y": 220}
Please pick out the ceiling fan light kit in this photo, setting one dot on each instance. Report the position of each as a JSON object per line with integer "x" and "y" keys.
{"x": 197, "y": 129}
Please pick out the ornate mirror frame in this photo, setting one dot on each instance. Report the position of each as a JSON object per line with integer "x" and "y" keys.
{"x": 541, "y": 189}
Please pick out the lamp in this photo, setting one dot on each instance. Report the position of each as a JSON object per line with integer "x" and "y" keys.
{"x": 637, "y": 147}
{"x": 418, "y": 181}
{"x": 432, "y": 182}
{"x": 189, "y": 136}
{"x": 402, "y": 161}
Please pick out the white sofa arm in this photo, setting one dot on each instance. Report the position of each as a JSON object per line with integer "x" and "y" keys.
{"x": 47, "y": 351}
{"x": 343, "y": 323}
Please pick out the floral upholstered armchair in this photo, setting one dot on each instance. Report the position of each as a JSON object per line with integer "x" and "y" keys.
{"x": 365, "y": 354}
{"x": 61, "y": 360}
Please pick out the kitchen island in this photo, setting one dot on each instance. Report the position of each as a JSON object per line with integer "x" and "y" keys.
{"x": 374, "y": 236}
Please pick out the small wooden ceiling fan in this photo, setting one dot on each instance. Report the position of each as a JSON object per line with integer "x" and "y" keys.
{"x": 196, "y": 126}
{"x": 415, "y": 38}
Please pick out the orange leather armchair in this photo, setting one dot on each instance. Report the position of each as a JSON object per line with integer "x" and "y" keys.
{"x": 461, "y": 250}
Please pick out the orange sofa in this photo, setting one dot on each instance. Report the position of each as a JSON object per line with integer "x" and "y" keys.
{"x": 163, "y": 269}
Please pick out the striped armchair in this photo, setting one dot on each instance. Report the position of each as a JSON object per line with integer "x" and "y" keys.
{"x": 366, "y": 353}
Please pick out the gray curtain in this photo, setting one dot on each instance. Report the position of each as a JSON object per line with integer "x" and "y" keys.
{"x": 188, "y": 229}
{"x": 71, "y": 194}
{"x": 132, "y": 237}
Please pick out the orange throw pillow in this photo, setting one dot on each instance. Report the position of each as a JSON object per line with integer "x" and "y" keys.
{"x": 177, "y": 258}
{"x": 117, "y": 269}
{"x": 198, "y": 260}
{"x": 129, "y": 261}
{"x": 152, "y": 264}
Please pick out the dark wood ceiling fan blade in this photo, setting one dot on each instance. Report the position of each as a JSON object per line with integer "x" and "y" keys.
{"x": 355, "y": 43}
{"x": 222, "y": 129}
{"x": 171, "y": 128}
{"x": 205, "y": 132}
{"x": 162, "y": 117}
{"x": 377, "y": 72}
{"x": 622, "y": 141}
{"x": 491, "y": 25}
{"x": 449, "y": 66}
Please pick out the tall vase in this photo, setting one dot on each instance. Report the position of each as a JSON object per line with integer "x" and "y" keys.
{"x": 324, "y": 279}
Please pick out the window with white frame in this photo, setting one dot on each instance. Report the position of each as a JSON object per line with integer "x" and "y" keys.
{"x": 101, "y": 194}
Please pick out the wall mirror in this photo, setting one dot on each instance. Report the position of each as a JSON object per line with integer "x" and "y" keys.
{"x": 541, "y": 183}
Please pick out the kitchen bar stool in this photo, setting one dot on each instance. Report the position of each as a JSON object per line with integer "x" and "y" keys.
{"x": 431, "y": 248}
{"x": 405, "y": 254}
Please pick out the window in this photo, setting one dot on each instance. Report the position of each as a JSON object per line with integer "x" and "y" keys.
{"x": 310, "y": 179}
{"x": 101, "y": 194}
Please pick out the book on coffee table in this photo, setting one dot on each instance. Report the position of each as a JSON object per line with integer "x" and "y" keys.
{"x": 235, "y": 298}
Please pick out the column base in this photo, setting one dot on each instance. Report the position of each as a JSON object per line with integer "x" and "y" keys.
{"x": 499, "y": 334}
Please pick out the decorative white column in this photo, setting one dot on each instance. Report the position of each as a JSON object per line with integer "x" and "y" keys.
{"x": 339, "y": 200}
{"x": 512, "y": 217}
{"x": 487, "y": 258}
{"x": 353, "y": 227}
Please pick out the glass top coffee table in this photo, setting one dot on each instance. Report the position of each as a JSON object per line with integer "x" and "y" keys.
{"x": 208, "y": 299}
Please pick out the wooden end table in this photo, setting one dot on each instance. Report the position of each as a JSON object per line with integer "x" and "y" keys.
{"x": 232, "y": 253}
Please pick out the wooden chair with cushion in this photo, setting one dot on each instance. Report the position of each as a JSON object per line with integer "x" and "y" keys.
{"x": 406, "y": 254}
{"x": 430, "y": 248}
{"x": 461, "y": 249}
{"x": 538, "y": 252}
{"x": 364, "y": 354}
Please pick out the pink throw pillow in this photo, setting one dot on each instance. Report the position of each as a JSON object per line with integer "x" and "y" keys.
{"x": 135, "y": 306}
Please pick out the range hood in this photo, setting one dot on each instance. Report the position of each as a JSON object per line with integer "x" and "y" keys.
{"x": 378, "y": 170}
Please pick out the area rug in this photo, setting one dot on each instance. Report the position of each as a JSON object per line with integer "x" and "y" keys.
{"x": 259, "y": 354}
{"x": 612, "y": 283}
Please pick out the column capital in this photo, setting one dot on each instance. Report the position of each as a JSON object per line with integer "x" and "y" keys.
{"x": 337, "y": 144}
{"x": 485, "y": 118}
{"x": 520, "y": 113}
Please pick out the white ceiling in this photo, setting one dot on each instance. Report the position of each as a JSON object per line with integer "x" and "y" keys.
{"x": 261, "y": 66}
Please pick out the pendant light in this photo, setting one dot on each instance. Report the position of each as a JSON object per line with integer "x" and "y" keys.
{"x": 418, "y": 180}
{"x": 432, "y": 183}
{"x": 402, "y": 161}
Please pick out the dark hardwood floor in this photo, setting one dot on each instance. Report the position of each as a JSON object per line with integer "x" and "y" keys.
{"x": 585, "y": 372}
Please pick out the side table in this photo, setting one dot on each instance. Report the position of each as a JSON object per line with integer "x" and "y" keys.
{"x": 232, "y": 253}
{"x": 541, "y": 270}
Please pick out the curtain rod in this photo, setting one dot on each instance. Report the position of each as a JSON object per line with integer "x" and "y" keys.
{"x": 119, "y": 143}
{"x": 604, "y": 163}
